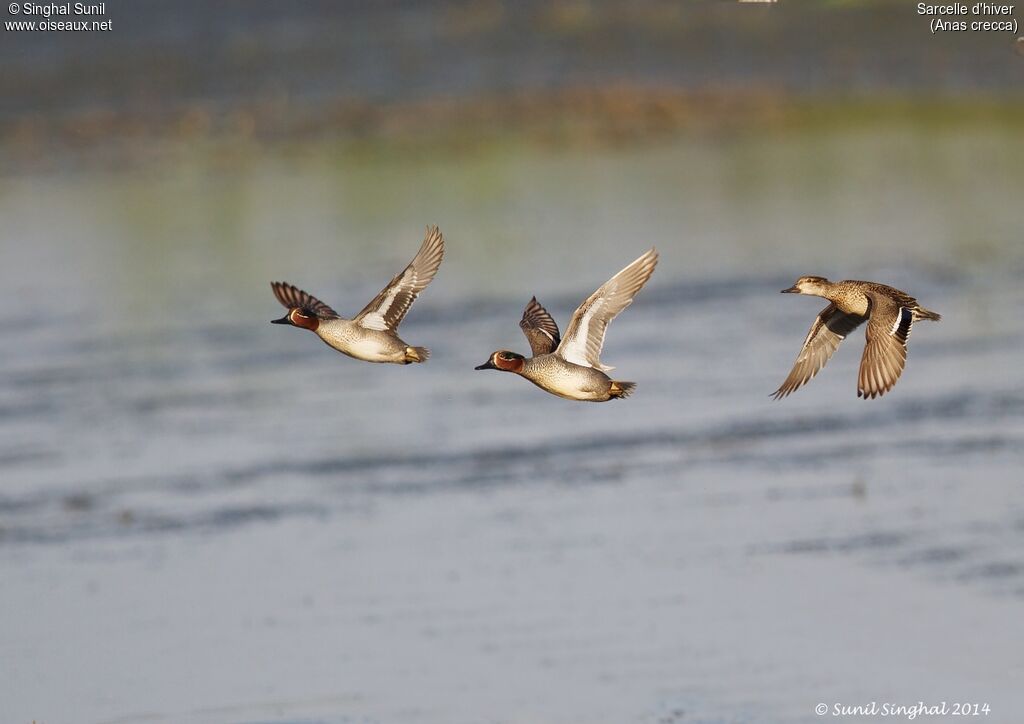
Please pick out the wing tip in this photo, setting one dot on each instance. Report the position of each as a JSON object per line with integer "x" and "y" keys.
{"x": 649, "y": 258}
{"x": 785, "y": 390}
{"x": 871, "y": 394}
{"x": 434, "y": 237}
{"x": 430, "y": 255}
{"x": 283, "y": 291}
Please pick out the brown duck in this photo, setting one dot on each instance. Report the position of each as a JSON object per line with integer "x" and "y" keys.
{"x": 890, "y": 314}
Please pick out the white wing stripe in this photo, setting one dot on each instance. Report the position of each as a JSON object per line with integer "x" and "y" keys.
{"x": 375, "y": 319}
{"x": 575, "y": 352}
{"x": 585, "y": 335}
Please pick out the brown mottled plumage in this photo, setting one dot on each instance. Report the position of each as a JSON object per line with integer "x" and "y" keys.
{"x": 889, "y": 312}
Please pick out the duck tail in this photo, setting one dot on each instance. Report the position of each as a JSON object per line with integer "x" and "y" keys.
{"x": 922, "y": 313}
{"x": 621, "y": 389}
{"x": 416, "y": 354}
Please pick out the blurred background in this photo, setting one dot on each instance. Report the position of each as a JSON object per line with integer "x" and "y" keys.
{"x": 205, "y": 518}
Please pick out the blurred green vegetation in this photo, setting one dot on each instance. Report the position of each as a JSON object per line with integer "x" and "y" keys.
{"x": 233, "y": 78}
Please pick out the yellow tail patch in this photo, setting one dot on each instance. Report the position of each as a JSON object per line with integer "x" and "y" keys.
{"x": 621, "y": 389}
{"x": 416, "y": 354}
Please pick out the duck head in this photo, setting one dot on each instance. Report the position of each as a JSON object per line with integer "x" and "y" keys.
{"x": 808, "y": 285}
{"x": 299, "y": 317}
{"x": 505, "y": 361}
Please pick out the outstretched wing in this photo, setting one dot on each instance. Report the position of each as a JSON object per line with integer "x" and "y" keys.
{"x": 585, "y": 336}
{"x": 540, "y": 328}
{"x": 829, "y": 329}
{"x": 885, "y": 353}
{"x": 294, "y": 298}
{"x": 387, "y": 310}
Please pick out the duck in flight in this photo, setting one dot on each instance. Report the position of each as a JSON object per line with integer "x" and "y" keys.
{"x": 373, "y": 334}
{"x": 890, "y": 314}
{"x": 570, "y": 367}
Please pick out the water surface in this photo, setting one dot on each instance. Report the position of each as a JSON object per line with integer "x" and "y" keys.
{"x": 204, "y": 517}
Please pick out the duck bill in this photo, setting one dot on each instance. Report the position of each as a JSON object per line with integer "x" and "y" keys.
{"x": 791, "y": 290}
{"x": 282, "y": 320}
{"x": 488, "y": 365}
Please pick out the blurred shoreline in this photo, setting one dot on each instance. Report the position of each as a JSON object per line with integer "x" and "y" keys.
{"x": 449, "y": 76}
{"x": 567, "y": 119}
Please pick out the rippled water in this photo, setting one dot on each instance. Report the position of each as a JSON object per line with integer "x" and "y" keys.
{"x": 207, "y": 518}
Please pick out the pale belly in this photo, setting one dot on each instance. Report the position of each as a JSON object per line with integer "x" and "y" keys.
{"x": 366, "y": 345}
{"x": 575, "y": 383}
